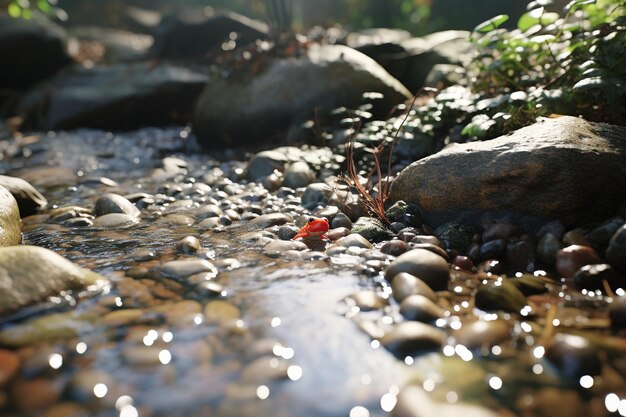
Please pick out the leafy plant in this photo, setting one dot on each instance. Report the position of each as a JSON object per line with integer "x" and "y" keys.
{"x": 24, "y": 8}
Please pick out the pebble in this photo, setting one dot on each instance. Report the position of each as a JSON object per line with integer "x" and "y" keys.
{"x": 177, "y": 220}
{"x": 276, "y": 248}
{"x": 463, "y": 262}
{"x": 83, "y": 382}
{"x": 520, "y": 256}
{"x": 208, "y": 211}
{"x": 499, "y": 231}
{"x": 341, "y": 220}
{"x": 426, "y": 239}
{"x": 616, "y": 252}
{"x": 371, "y": 229}
{"x": 141, "y": 355}
{"x": 575, "y": 237}
{"x": 115, "y": 203}
{"x": 591, "y": 277}
{"x": 482, "y": 333}
{"x": 405, "y": 285}
{"x": 411, "y": 337}
{"x": 367, "y": 300}
{"x": 180, "y": 313}
{"x": 30, "y": 395}
{"x": 268, "y": 220}
{"x": 572, "y": 258}
{"x": 265, "y": 163}
{"x": 424, "y": 264}
{"x": 617, "y": 313}
{"x": 316, "y": 194}
{"x": 123, "y": 317}
{"x": 500, "y": 296}
{"x": 430, "y": 247}
{"x": 298, "y": 174}
{"x": 600, "y": 237}
{"x": 547, "y": 249}
{"x": 493, "y": 249}
{"x": 188, "y": 245}
{"x": 9, "y": 366}
{"x": 419, "y": 308}
{"x": 573, "y": 356}
{"x": 114, "y": 220}
{"x": 220, "y": 311}
{"x": 354, "y": 240}
{"x": 394, "y": 247}
{"x": 186, "y": 267}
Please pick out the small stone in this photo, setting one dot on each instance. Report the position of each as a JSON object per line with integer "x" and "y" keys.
{"x": 463, "y": 262}
{"x": 394, "y": 247}
{"x": 455, "y": 236}
{"x": 499, "y": 231}
{"x": 186, "y": 267}
{"x": 9, "y": 366}
{"x": 424, "y": 264}
{"x": 427, "y": 239}
{"x": 208, "y": 211}
{"x": 83, "y": 382}
{"x": 268, "y": 220}
{"x": 411, "y": 337}
{"x": 287, "y": 232}
{"x": 419, "y": 308}
{"x": 180, "y": 313}
{"x": 265, "y": 163}
{"x": 616, "y": 252}
{"x": 520, "y": 256}
{"x": 28, "y": 199}
{"x": 500, "y": 296}
{"x": 341, "y": 220}
{"x": 617, "y": 312}
{"x": 298, "y": 174}
{"x": 115, "y": 203}
{"x": 494, "y": 249}
{"x": 177, "y": 220}
{"x": 276, "y": 248}
{"x": 430, "y": 247}
{"x": 188, "y": 245}
{"x": 575, "y": 237}
{"x": 114, "y": 220}
{"x": 404, "y": 285}
{"x": 482, "y": 333}
{"x": 367, "y": 300}
{"x": 600, "y": 237}
{"x": 220, "y": 311}
{"x": 572, "y": 258}
{"x": 547, "y": 248}
{"x": 316, "y": 194}
{"x": 123, "y": 317}
{"x": 371, "y": 229}
{"x": 354, "y": 240}
{"x": 529, "y": 284}
{"x": 573, "y": 356}
{"x": 592, "y": 277}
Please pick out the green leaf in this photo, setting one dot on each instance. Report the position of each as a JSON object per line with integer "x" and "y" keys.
{"x": 539, "y": 3}
{"x": 577, "y": 4}
{"x": 14, "y": 10}
{"x": 27, "y": 14}
{"x": 549, "y": 18}
{"x": 530, "y": 19}
{"x": 491, "y": 24}
{"x": 44, "y": 6}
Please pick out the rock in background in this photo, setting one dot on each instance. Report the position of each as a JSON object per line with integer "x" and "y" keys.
{"x": 564, "y": 168}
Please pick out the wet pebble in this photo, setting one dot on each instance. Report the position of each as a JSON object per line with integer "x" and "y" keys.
{"x": 367, "y": 300}
{"x": 482, "y": 333}
{"x": 178, "y": 220}
{"x": 273, "y": 219}
{"x": 186, "y": 267}
{"x": 592, "y": 277}
{"x": 411, "y": 337}
{"x": 575, "y": 237}
{"x": 617, "y": 313}
{"x": 520, "y": 256}
{"x": 354, "y": 240}
{"x": 180, "y": 313}
{"x": 493, "y": 249}
{"x": 430, "y": 247}
{"x": 9, "y": 366}
{"x": 82, "y": 384}
{"x": 463, "y": 262}
{"x": 419, "y": 308}
{"x": 30, "y": 395}
{"x": 405, "y": 285}
{"x": 316, "y": 194}
{"x": 547, "y": 248}
{"x": 572, "y": 258}
{"x": 341, "y": 220}
{"x": 265, "y": 163}
{"x": 616, "y": 252}
{"x": 123, "y": 317}
{"x": 276, "y": 248}
{"x": 188, "y": 245}
{"x": 28, "y": 199}
{"x": 221, "y": 311}
{"x": 573, "y": 356}
{"x": 114, "y": 220}
{"x": 394, "y": 247}
{"x": 115, "y": 203}
{"x": 141, "y": 355}
{"x": 424, "y": 264}
{"x": 500, "y": 296}
{"x": 600, "y": 237}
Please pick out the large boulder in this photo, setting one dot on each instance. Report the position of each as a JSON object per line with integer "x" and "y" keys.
{"x": 122, "y": 96}
{"x": 254, "y": 108}
{"x": 32, "y": 50}
{"x": 194, "y": 33}
{"x": 10, "y": 223}
{"x": 411, "y": 59}
{"x": 29, "y": 274}
{"x": 564, "y": 168}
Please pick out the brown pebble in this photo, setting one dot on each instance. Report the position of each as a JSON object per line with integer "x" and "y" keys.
{"x": 572, "y": 258}
{"x": 29, "y": 395}
{"x": 9, "y": 365}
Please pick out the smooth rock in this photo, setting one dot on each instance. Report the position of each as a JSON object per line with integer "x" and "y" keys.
{"x": 10, "y": 223}
{"x": 413, "y": 401}
{"x": 371, "y": 229}
{"x": 276, "y": 248}
{"x": 529, "y": 284}
{"x": 547, "y": 249}
{"x": 404, "y": 285}
{"x": 481, "y": 333}
{"x": 592, "y": 277}
{"x": 272, "y": 219}
{"x": 51, "y": 327}
{"x": 394, "y": 247}
{"x": 616, "y": 252}
{"x": 29, "y": 200}
{"x": 354, "y": 240}
{"x": 266, "y": 163}
{"x": 186, "y": 267}
{"x": 264, "y": 370}
{"x": 341, "y": 220}
{"x": 115, "y": 203}
{"x": 520, "y": 256}
{"x": 315, "y": 194}
{"x": 411, "y": 337}
{"x": 220, "y": 311}
{"x": 500, "y": 296}
{"x": 580, "y": 162}
{"x": 573, "y": 356}
{"x": 617, "y": 313}
{"x": 572, "y": 258}
{"x": 188, "y": 245}
{"x": 29, "y": 274}
{"x": 299, "y": 174}
{"x": 419, "y": 308}
{"x": 239, "y": 111}
{"x": 424, "y": 264}
{"x": 599, "y": 237}
{"x": 367, "y": 300}
{"x": 10, "y": 363}
{"x": 115, "y": 220}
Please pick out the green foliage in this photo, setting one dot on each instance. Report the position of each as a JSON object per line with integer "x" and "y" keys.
{"x": 569, "y": 62}
{"x": 24, "y": 8}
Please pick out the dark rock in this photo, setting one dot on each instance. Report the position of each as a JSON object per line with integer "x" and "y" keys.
{"x": 121, "y": 96}
{"x": 556, "y": 228}
{"x": 494, "y": 249}
{"x": 404, "y": 285}
{"x": 455, "y": 236}
{"x": 573, "y": 356}
{"x": 119, "y": 45}
{"x": 371, "y": 229}
{"x": 316, "y": 194}
{"x": 529, "y": 284}
{"x": 424, "y": 264}
{"x": 572, "y": 258}
{"x": 410, "y": 337}
{"x": 616, "y": 252}
{"x": 194, "y": 33}
{"x": 547, "y": 248}
{"x": 37, "y": 49}
{"x": 463, "y": 262}
{"x": 341, "y": 220}
{"x": 267, "y": 220}
{"x": 419, "y": 308}
{"x": 499, "y": 231}
{"x": 394, "y": 247}
{"x": 29, "y": 200}
{"x": 617, "y": 312}
{"x": 481, "y": 333}
{"x": 500, "y": 296}
{"x": 564, "y": 168}
{"x": 591, "y": 277}
{"x": 239, "y": 110}
{"x": 520, "y": 256}
{"x": 398, "y": 211}
{"x": 115, "y": 203}
{"x": 600, "y": 237}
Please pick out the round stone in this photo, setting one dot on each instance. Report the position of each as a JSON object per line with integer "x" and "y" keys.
{"x": 419, "y": 308}
{"x": 411, "y": 337}
{"x": 298, "y": 174}
{"x": 573, "y": 356}
{"x": 572, "y": 258}
{"x": 114, "y": 220}
{"x": 188, "y": 245}
{"x": 404, "y": 285}
{"x": 220, "y": 311}
{"x": 115, "y": 203}
{"x": 547, "y": 248}
{"x": 482, "y": 333}
{"x": 354, "y": 240}
{"x": 616, "y": 252}
{"x": 394, "y": 247}
{"x": 186, "y": 267}
{"x": 424, "y": 264}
